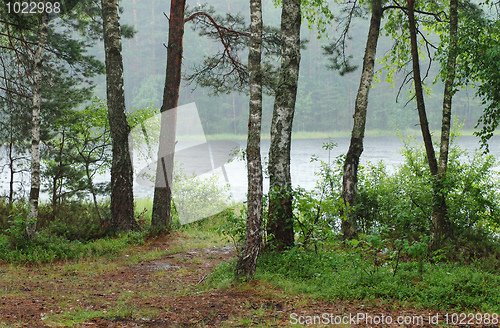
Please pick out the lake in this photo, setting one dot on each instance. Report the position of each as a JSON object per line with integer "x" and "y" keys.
{"x": 386, "y": 149}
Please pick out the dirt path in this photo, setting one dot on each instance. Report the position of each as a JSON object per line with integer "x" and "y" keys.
{"x": 169, "y": 292}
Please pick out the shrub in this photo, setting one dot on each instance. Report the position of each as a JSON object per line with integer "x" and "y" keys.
{"x": 398, "y": 205}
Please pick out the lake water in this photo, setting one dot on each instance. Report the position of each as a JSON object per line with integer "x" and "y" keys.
{"x": 386, "y": 149}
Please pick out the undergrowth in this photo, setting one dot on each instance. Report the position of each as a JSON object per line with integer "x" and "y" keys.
{"x": 392, "y": 258}
{"x": 75, "y": 233}
{"x": 346, "y": 275}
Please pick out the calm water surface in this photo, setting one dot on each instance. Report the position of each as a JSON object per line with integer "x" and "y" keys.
{"x": 387, "y": 149}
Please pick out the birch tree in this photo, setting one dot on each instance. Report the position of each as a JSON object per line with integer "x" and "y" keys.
{"x": 247, "y": 261}
{"x": 35, "y": 127}
{"x": 440, "y": 221}
{"x": 280, "y": 225}
{"x": 350, "y": 174}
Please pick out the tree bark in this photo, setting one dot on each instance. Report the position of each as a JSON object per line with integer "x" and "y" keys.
{"x": 419, "y": 94}
{"x": 439, "y": 217}
{"x": 122, "y": 198}
{"x": 57, "y": 179}
{"x": 350, "y": 175}
{"x": 11, "y": 165}
{"x": 280, "y": 225}
{"x": 247, "y": 261}
{"x": 35, "y": 128}
{"x": 162, "y": 201}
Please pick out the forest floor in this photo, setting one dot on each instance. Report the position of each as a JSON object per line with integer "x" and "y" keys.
{"x": 163, "y": 284}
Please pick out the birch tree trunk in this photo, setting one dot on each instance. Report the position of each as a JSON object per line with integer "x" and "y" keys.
{"x": 439, "y": 217}
{"x": 162, "y": 201}
{"x": 122, "y": 198}
{"x": 35, "y": 128}
{"x": 280, "y": 226}
{"x": 350, "y": 176}
{"x": 247, "y": 261}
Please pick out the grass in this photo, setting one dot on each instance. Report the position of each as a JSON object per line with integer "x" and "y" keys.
{"x": 334, "y": 275}
{"x": 82, "y": 285}
{"x": 49, "y": 248}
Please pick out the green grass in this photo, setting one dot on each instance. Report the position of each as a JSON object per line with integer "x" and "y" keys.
{"x": 62, "y": 239}
{"x": 345, "y": 275}
{"x": 48, "y": 248}
{"x": 143, "y": 208}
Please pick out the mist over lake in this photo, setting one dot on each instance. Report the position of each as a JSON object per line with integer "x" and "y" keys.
{"x": 386, "y": 149}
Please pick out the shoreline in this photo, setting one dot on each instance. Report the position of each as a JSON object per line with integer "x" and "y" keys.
{"x": 336, "y": 134}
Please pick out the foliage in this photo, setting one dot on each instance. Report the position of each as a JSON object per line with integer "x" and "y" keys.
{"x": 234, "y": 227}
{"x": 78, "y": 233}
{"x": 397, "y": 206}
{"x": 198, "y": 197}
{"x": 78, "y": 150}
{"x": 141, "y": 116}
{"x": 19, "y": 221}
{"x": 478, "y": 57}
{"x": 316, "y": 211}
{"x": 225, "y": 72}
{"x": 48, "y": 247}
{"x": 347, "y": 275}
{"x": 472, "y": 197}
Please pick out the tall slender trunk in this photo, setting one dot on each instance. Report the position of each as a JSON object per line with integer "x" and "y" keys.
{"x": 280, "y": 225}
{"x": 247, "y": 261}
{"x": 419, "y": 94}
{"x": 122, "y": 197}
{"x": 35, "y": 128}
{"x": 11, "y": 154}
{"x": 439, "y": 217}
{"x": 162, "y": 201}
{"x": 350, "y": 176}
{"x": 92, "y": 191}
{"x": 11, "y": 165}
{"x": 57, "y": 179}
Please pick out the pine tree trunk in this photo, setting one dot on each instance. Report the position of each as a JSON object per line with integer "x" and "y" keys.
{"x": 122, "y": 198}
{"x": 350, "y": 176}
{"x": 247, "y": 261}
{"x": 162, "y": 201}
{"x": 439, "y": 217}
{"x": 280, "y": 226}
{"x": 35, "y": 128}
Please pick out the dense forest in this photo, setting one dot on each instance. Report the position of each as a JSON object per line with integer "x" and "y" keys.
{"x": 98, "y": 95}
{"x": 325, "y": 100}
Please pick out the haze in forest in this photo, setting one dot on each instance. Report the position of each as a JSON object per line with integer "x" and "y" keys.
{"x": 325, "y": 101}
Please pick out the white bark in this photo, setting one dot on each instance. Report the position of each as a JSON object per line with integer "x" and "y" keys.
{"x": 35, "y": 128}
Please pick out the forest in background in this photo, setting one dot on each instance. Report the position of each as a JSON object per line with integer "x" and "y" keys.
{"x": 325, "y": 100}
{"x": 423, "y": 235}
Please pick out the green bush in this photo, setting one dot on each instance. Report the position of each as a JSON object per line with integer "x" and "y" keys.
{"x": 347, "y": 275}
{"x": 397, "y": 208}
{"x": 48, "y": 247}
{"x": 76, "y": 232}
{"x": 405, "y": 199}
